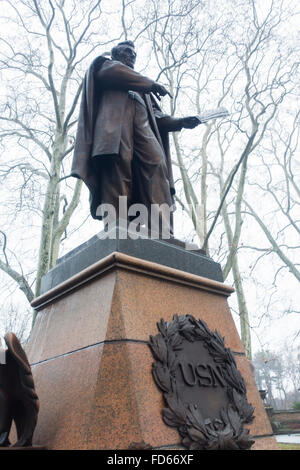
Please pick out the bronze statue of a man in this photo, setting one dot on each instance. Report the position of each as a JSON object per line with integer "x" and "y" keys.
{"x": 122, "y": 144}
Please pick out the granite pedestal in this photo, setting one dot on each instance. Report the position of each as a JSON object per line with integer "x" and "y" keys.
{"x": 89, "y": 347}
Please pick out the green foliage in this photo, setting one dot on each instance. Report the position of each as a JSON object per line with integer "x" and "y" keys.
{"x": 289, "y": 446}
{"x": 296, "y": 406}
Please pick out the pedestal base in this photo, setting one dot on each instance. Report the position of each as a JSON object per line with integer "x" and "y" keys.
{"x": 24, "y": 448}
{"x": 92, "y": 364}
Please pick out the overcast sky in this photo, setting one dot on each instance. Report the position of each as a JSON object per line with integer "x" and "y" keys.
{"x": 266, "y": 332}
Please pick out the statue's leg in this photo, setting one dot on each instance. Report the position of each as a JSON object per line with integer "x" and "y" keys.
{"x": 5, "y": 418}
{"x": 151, "y": 176}
{"x": 114, "y": 172}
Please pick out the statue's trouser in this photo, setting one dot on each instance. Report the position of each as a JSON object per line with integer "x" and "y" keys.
{"x": 139, "y": 172}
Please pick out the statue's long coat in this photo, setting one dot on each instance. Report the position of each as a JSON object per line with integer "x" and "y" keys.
{"x": 101, "y": 116}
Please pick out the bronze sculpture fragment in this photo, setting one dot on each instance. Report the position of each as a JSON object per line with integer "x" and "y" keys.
{"x": 18, "y": 399}
{"x": 122, "y": 144}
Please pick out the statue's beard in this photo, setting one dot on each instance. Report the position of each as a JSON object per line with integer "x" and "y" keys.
{"x": 125, "y": 62}
{"x": 129, "y": 64}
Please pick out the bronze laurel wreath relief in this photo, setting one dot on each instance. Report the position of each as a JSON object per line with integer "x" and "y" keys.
{"x": 184, "y": 379}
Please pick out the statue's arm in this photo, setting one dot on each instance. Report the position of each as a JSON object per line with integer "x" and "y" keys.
{"x": 168, "y": 123}
{"x": 115, "y": 75}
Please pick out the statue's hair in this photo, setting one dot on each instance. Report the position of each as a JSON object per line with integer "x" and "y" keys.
{"x": 114, "y": 51}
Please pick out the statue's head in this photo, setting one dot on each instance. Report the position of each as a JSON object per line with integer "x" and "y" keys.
{"x": 124, "y": 52}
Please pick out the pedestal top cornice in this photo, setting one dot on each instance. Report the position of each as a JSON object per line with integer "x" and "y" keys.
{"x": 122, "y": 261}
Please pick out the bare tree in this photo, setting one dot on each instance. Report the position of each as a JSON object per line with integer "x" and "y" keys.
{"x": 211, "y": 61}
{"x": 278, "y": 186}
{"x": 208, "y": 54}
{"x": 11, "y": 320}
{"x": 43, "y": 76}
{"x": 278, "y": 373}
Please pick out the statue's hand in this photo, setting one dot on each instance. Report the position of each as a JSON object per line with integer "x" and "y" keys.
{"x": 190, "y": 122}
{"x": 159, "y": 90}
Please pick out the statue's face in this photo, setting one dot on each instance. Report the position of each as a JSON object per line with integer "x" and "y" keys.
{"x": 127, "y": 55}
